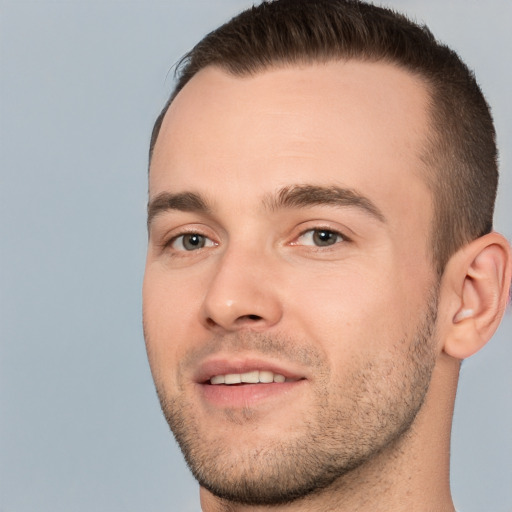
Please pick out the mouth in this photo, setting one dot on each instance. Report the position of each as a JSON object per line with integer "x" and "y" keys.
{"x": 251, "y": 377}
{"x": 245, "y": 383}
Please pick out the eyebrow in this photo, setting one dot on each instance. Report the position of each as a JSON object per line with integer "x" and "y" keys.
{"x": 303, "y": 196}
{"x": 184, "y": 202}
{"x": 295, "y": 196}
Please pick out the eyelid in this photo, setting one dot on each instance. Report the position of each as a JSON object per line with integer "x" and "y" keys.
{"x": 208, "y": 242}
{"x": 322, "y": 227}
{"x": 168, "y": 239}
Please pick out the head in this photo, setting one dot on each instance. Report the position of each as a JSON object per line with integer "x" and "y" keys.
{"x": 318, "y": 168}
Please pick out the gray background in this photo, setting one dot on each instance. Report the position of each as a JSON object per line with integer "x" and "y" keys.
{"x": 81, "y": 83}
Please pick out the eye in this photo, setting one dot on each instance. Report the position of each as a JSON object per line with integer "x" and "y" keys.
{"x": 320, "y": 237}
{"x": 190, "y": 242}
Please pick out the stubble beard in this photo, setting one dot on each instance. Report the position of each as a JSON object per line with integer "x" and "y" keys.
{"x": 380, "y": 401}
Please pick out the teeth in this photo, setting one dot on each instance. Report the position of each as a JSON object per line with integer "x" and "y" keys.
{"x": 254, "y": 377}
{"x": 251, "y": 377}
{"x": 266, "y": 377}
{"x": 232, "y": 378}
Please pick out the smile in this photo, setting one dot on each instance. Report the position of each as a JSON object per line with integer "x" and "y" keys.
{"x": 252, "y": 377}
{"x": 245, "y": 381}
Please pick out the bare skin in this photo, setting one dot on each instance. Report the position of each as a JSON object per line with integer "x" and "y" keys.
{"x": 289, "y": 234}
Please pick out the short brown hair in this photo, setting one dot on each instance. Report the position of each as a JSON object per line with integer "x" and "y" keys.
{"x": 461, "y": 155}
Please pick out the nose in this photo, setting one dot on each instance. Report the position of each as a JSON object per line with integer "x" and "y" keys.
{"x": 243, "y": 293}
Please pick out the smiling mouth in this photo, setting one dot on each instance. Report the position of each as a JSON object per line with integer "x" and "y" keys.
{"x": 252, "y": 377}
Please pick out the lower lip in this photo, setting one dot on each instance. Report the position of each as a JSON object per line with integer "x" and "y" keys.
{"x": 245, "y": 395}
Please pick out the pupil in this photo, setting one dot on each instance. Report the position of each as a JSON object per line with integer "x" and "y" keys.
{"x": 324, "y": 237}
{"x": 192, "y": 242}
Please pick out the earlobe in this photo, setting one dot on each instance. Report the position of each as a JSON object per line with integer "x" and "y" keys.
{"x": 477, "y": 281}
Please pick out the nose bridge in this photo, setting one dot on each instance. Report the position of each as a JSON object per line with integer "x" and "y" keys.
{"x": 242, "y": 292}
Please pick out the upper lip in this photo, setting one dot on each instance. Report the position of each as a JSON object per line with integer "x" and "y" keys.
{"x": 228, "y": 365}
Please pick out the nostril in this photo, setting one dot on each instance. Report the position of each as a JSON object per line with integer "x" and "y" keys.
{"x": 210, "y": 322}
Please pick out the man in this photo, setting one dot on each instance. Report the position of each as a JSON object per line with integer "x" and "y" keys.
{"x": 321, "y": 258}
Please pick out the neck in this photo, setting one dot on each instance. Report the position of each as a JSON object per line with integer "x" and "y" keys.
{"x": 411, "y": 474}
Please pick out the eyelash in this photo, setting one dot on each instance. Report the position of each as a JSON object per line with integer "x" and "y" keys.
{"x": 340, "y": 237}
{"x": 168, "y": 243}
{"x": 208, "y": 242}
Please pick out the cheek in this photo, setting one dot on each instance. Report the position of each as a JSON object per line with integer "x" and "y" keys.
{"x": 354, "y": 312}
{"x": 170, "y": 313}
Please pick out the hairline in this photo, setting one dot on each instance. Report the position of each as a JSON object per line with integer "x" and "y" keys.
{"x": 283, "y": 63}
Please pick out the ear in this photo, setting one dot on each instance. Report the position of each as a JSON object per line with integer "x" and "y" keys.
{"x": 474, "y": 294}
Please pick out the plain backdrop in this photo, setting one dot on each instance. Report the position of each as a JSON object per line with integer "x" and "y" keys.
{"x": 81, "y": 83}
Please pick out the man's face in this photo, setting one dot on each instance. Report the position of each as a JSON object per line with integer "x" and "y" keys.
{"x": 289, "y": 229}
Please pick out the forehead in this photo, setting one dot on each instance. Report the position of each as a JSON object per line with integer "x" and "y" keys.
{"x": 354, "y": 124}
